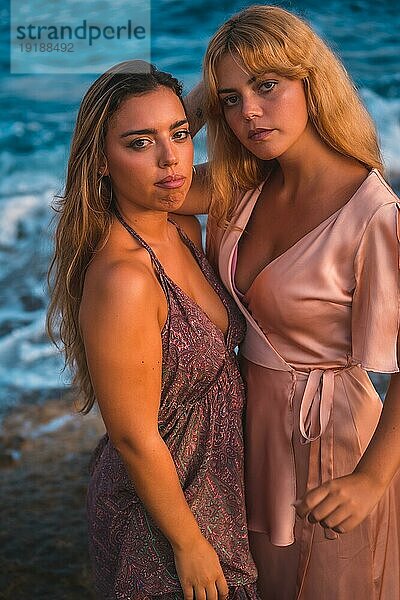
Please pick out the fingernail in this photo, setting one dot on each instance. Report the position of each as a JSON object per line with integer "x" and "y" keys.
{"x": 337, "y": 529}
{"x": 311, "y": 519}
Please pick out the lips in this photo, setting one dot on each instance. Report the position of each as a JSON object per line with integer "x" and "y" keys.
{"x": 260, "y": 133}
{"x": 171, "y": 182}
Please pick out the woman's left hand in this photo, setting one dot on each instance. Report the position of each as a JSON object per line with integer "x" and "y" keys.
{"x": 341, "y": 504}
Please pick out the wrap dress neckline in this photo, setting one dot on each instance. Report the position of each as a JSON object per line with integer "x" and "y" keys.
{"x": 251, "y": 204}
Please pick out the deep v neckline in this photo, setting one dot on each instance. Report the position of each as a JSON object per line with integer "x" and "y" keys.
{"x": 283, "y": 254}
{"x": 196, "y": 255}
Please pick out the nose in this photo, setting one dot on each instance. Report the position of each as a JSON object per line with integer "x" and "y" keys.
{"x": 250, "y": 107}
{"x": 168, "y": 156}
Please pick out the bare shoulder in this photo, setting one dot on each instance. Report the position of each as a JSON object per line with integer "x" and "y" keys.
{"x": 122, "y": 313}
{"x": 121, "y": 286}
{"x": 191, "y": 226}
{"x": 122, "y": 275}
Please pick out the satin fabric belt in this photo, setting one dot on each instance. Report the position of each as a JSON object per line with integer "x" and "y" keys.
{"x": 316, "y": 428}
{"x": 316, "y": 404}
{"x": 315, "y": 422}
{"x": 316, "y": 425}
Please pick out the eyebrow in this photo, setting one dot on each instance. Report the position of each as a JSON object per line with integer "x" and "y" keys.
{"x": 229, "y": 90}
{"x": 153, "y": 131}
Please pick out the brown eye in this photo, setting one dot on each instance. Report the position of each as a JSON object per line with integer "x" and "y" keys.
{"x": 182, "y": 135}
{"x": 230, "y": 100}
{"x": 140, "y": 143}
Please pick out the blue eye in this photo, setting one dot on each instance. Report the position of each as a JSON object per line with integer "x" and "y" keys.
{"x": 267, "y": 86}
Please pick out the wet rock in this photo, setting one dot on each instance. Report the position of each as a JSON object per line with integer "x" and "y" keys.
{"x": 7, "y": 458}
{"x": 43, "y": 480}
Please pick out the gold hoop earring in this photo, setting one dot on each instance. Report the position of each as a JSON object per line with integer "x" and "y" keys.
{"x": 110, "y": 200}
{"x": 99, "y": 188}
{"x": 111, "y": 191}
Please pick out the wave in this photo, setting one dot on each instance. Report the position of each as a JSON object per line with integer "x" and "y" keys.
{"x": 28, "y": 360}
{"x": 386, "y": 114}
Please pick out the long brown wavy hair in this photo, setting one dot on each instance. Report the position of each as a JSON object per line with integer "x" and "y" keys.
{"x": 271, "y": 39}
{"x": 86, "y": 211}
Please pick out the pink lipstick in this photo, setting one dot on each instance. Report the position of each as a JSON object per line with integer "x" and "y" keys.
{"x": 171, "y": 182}
{"x": 258, "y": 134}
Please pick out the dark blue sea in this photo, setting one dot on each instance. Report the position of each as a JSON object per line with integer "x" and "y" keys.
{"x": 37, "y": 116}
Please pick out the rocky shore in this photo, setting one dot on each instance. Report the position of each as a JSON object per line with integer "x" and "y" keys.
{"x": 44, "y": 455}
{"x": 45, "y": 448}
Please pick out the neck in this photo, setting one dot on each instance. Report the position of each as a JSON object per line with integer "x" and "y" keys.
{"x": 308, "y": 162}
{"x": 151, "y": 225}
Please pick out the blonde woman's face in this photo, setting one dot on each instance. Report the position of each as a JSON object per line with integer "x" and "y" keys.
{"x": 268, "y": 114}
{"x": 149, "y": 152}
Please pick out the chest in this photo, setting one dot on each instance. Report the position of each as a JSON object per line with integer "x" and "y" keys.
{"x": 196, "y": 284}
{"x": 268, "y": 235}
{"x": 279, "y": 222}
{"x": 309, "y": 284}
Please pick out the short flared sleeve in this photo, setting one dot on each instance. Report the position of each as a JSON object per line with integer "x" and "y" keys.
{"x": 376, "y": 299}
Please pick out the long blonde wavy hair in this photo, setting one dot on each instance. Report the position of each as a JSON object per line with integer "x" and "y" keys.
{"x": 86, "y": 209}
{"x": 271, "y": 39}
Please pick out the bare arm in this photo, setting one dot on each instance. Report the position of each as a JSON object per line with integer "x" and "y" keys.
{"x": 192, "y": 228}
{"x": 381, "y": 460}
{"x": 344, "y": 502}
{"x": 121, "y": 320}
{"x": 197, "y": 201}
{"x": 194, "y": 107}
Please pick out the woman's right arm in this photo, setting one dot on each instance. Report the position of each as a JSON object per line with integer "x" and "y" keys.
{"x": 194, "y": 108}
{"x": 121, "y": 323}
{"x": 197, "y": 201}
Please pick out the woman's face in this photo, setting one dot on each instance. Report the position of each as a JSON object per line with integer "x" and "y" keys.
{"x": 149, "y": 152}
{"x": 268, "y": 113}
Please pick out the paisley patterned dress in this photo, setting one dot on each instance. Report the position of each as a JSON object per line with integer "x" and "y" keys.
{"x": 200, "y": 420}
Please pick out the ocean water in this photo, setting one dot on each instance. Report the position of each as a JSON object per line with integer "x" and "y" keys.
{"x": 37, "y": 116}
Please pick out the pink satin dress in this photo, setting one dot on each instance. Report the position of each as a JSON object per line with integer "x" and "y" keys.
{"x": 318, "y": 317}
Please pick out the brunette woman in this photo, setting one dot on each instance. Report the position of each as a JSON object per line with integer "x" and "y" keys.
{"x": 150, "y": 332}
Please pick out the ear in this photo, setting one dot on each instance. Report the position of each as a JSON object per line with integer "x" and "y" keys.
{"x": 103, "y": 168}
{"x": 103, "y": 171}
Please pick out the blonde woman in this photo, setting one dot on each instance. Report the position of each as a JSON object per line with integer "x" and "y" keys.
{"x": 149, "y": 332}
{"x": 305, "y": 233}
